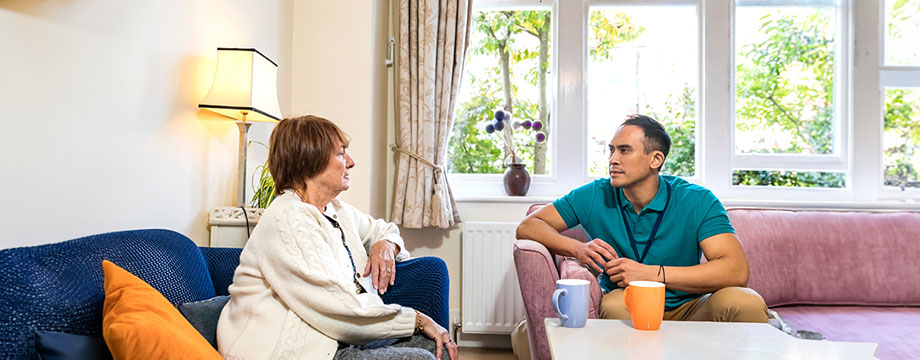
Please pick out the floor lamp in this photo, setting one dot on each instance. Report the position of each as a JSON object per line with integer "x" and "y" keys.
{"x": 245, "y": 89}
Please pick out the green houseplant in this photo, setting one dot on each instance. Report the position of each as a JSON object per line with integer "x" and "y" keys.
{"x": 264, "y": 188}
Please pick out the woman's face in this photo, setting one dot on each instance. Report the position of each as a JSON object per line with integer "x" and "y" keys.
{"x": 335, "y": 176}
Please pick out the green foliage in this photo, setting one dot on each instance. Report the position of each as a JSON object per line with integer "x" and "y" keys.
{"x": 787, "y": 82}
{"x": 471, "y": 149}
{"x": 609, "y": 28}
{"x": 902, "y": 121}
{"x": 903, "y": 16}
{"x": 679, "y": 119}
{"x": 789, "y": 178}
{"x": 264, "y": 189}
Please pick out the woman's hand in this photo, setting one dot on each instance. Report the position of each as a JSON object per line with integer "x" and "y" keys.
{"x": 440, "y": 336}
{"x": 381, "y": 265}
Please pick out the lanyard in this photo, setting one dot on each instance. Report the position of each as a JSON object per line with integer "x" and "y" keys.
{"x": 358, "y": 288}
{"x": 651, "y": 236}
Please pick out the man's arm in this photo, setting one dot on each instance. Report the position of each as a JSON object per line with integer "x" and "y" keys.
{"x": 726, "y": 266}
{"x": 544, "y": 226}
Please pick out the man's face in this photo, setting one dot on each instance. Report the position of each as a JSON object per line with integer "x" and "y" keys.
{"x": 628, "y": 162}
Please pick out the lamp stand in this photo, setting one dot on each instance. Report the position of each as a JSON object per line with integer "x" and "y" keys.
{"x": 241, "y": 184}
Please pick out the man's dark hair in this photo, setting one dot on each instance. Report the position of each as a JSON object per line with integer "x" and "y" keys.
{"x": 656, "y": 137}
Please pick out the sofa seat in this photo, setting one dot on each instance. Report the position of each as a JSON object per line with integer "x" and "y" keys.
{"x": 900, "y": 326}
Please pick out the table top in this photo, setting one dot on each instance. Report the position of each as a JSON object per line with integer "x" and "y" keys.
{"x": 692, "y": 340}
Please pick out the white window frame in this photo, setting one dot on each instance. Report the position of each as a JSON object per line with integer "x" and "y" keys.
{"x": 891, "y": 76}
{"x": 838, "y": 160}
{"x": 859, "y": 104}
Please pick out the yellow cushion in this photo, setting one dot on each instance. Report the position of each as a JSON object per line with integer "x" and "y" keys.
{"x": 139, "y": 323}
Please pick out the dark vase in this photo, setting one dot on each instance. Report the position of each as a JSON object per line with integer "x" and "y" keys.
{"x": 517, "y": 180}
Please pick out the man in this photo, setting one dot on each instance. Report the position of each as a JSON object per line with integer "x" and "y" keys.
{"x": 652, "y": 227}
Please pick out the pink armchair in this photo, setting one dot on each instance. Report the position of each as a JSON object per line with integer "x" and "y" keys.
{"x": 537, "y": 271}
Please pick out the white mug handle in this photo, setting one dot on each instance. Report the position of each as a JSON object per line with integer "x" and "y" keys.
{"x": 562, "y": 317}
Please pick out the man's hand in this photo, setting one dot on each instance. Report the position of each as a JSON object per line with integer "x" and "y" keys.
{"x": 624, "y": 270}
{"x": 595, "y": 254}
{"x": 381, "y": 265}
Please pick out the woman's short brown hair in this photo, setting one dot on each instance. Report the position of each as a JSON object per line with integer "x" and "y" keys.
{"x": 299, "y": 148}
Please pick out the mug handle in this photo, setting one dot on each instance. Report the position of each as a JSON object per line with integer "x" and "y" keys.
{"x": 626, "y": 298}
{"x": 562, "y": 317}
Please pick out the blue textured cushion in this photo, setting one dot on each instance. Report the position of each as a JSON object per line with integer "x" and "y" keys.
{"x": 424, "y": 285}
{"x": 222, "y": 262}
{"x": 203, "y": 316}
{"x": 52, "y": 345}
{"x": 58, "y": 287}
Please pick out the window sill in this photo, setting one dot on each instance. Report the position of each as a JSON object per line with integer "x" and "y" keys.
{"x": 530, "y": 199}
{"x": 888, "y": 205}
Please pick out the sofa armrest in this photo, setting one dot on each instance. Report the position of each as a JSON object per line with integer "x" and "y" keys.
{"x": 537, "y": 275}
{"x": 570, "y": 268}
{"x": 423, "y": 284}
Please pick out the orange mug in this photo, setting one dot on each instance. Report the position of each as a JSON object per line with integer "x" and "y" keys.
{"x": 645, "y": 302}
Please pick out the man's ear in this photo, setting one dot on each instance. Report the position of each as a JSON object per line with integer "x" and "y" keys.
{"x": 657, "y": 159}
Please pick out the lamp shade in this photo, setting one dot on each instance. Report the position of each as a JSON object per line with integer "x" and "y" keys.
{"x": 244, "y": 87}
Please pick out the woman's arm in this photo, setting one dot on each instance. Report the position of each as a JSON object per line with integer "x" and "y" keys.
{"x": 299, "y": 265}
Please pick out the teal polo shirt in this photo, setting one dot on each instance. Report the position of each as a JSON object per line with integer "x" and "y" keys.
{"x": 692, "y": 215}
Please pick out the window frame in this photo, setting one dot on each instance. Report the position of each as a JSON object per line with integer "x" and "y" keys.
{"x": 896, "y": 76}
{"x": 859, "y": 109}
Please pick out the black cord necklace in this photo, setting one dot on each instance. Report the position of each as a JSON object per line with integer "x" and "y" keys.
{"x": 651, "y": 237}
{"x": 358, "y": 288}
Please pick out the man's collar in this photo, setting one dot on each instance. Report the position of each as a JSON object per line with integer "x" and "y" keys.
{"x": 661, "y": 198}
{"x": 658, "y": 202}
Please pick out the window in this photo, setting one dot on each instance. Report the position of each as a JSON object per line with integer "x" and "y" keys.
{"x": 900, "y": 80}
{"x": 643, "y": 59}
{"x": 762, "y": 98}
{"x": 507, "y": 71}
{"x": 787, "y": 94}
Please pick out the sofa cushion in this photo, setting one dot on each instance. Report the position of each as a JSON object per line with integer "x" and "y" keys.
{"x": 203, "y": 316}
{"x": 137, "y": 321}
{"x": 831, "y": 257}
{"x": 895, "y": 329}
{"x": 53, "y": 345}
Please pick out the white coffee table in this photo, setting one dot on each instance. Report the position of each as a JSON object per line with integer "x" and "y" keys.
{"x": 609, "y": 339}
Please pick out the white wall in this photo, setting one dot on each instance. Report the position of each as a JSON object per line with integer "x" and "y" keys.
{"x": 102, "y": 130}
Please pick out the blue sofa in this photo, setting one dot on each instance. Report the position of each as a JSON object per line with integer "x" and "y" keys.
{"x": 58, "y": 287}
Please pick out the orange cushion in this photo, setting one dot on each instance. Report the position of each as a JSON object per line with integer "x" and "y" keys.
{"x": 139, "y": 323}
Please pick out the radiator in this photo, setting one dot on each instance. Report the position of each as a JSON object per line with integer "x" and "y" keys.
{"x": 491, "y": 297}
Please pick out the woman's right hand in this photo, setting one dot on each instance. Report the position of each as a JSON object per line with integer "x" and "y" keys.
{"x": 440, "y": 336}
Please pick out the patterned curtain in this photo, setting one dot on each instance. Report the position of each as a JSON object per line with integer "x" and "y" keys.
{"x": 433, "y": 37}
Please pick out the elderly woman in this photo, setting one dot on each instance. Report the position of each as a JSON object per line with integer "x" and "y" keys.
{"x": 302, "y": 290}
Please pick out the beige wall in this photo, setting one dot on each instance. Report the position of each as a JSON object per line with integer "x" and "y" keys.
{"x": 102, "y": 130}
{"x": 339, "y": 74}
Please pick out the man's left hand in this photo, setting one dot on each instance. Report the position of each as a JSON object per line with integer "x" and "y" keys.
{"x": 381, "y": 265}
{"x": 623, "y": 270}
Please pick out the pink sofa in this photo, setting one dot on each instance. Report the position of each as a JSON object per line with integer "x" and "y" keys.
{"x": 850, "y": 276}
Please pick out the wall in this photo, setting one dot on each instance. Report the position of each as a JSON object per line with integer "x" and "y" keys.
{"x": 100, "y": 115}
{"x": 339, "y": 74}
